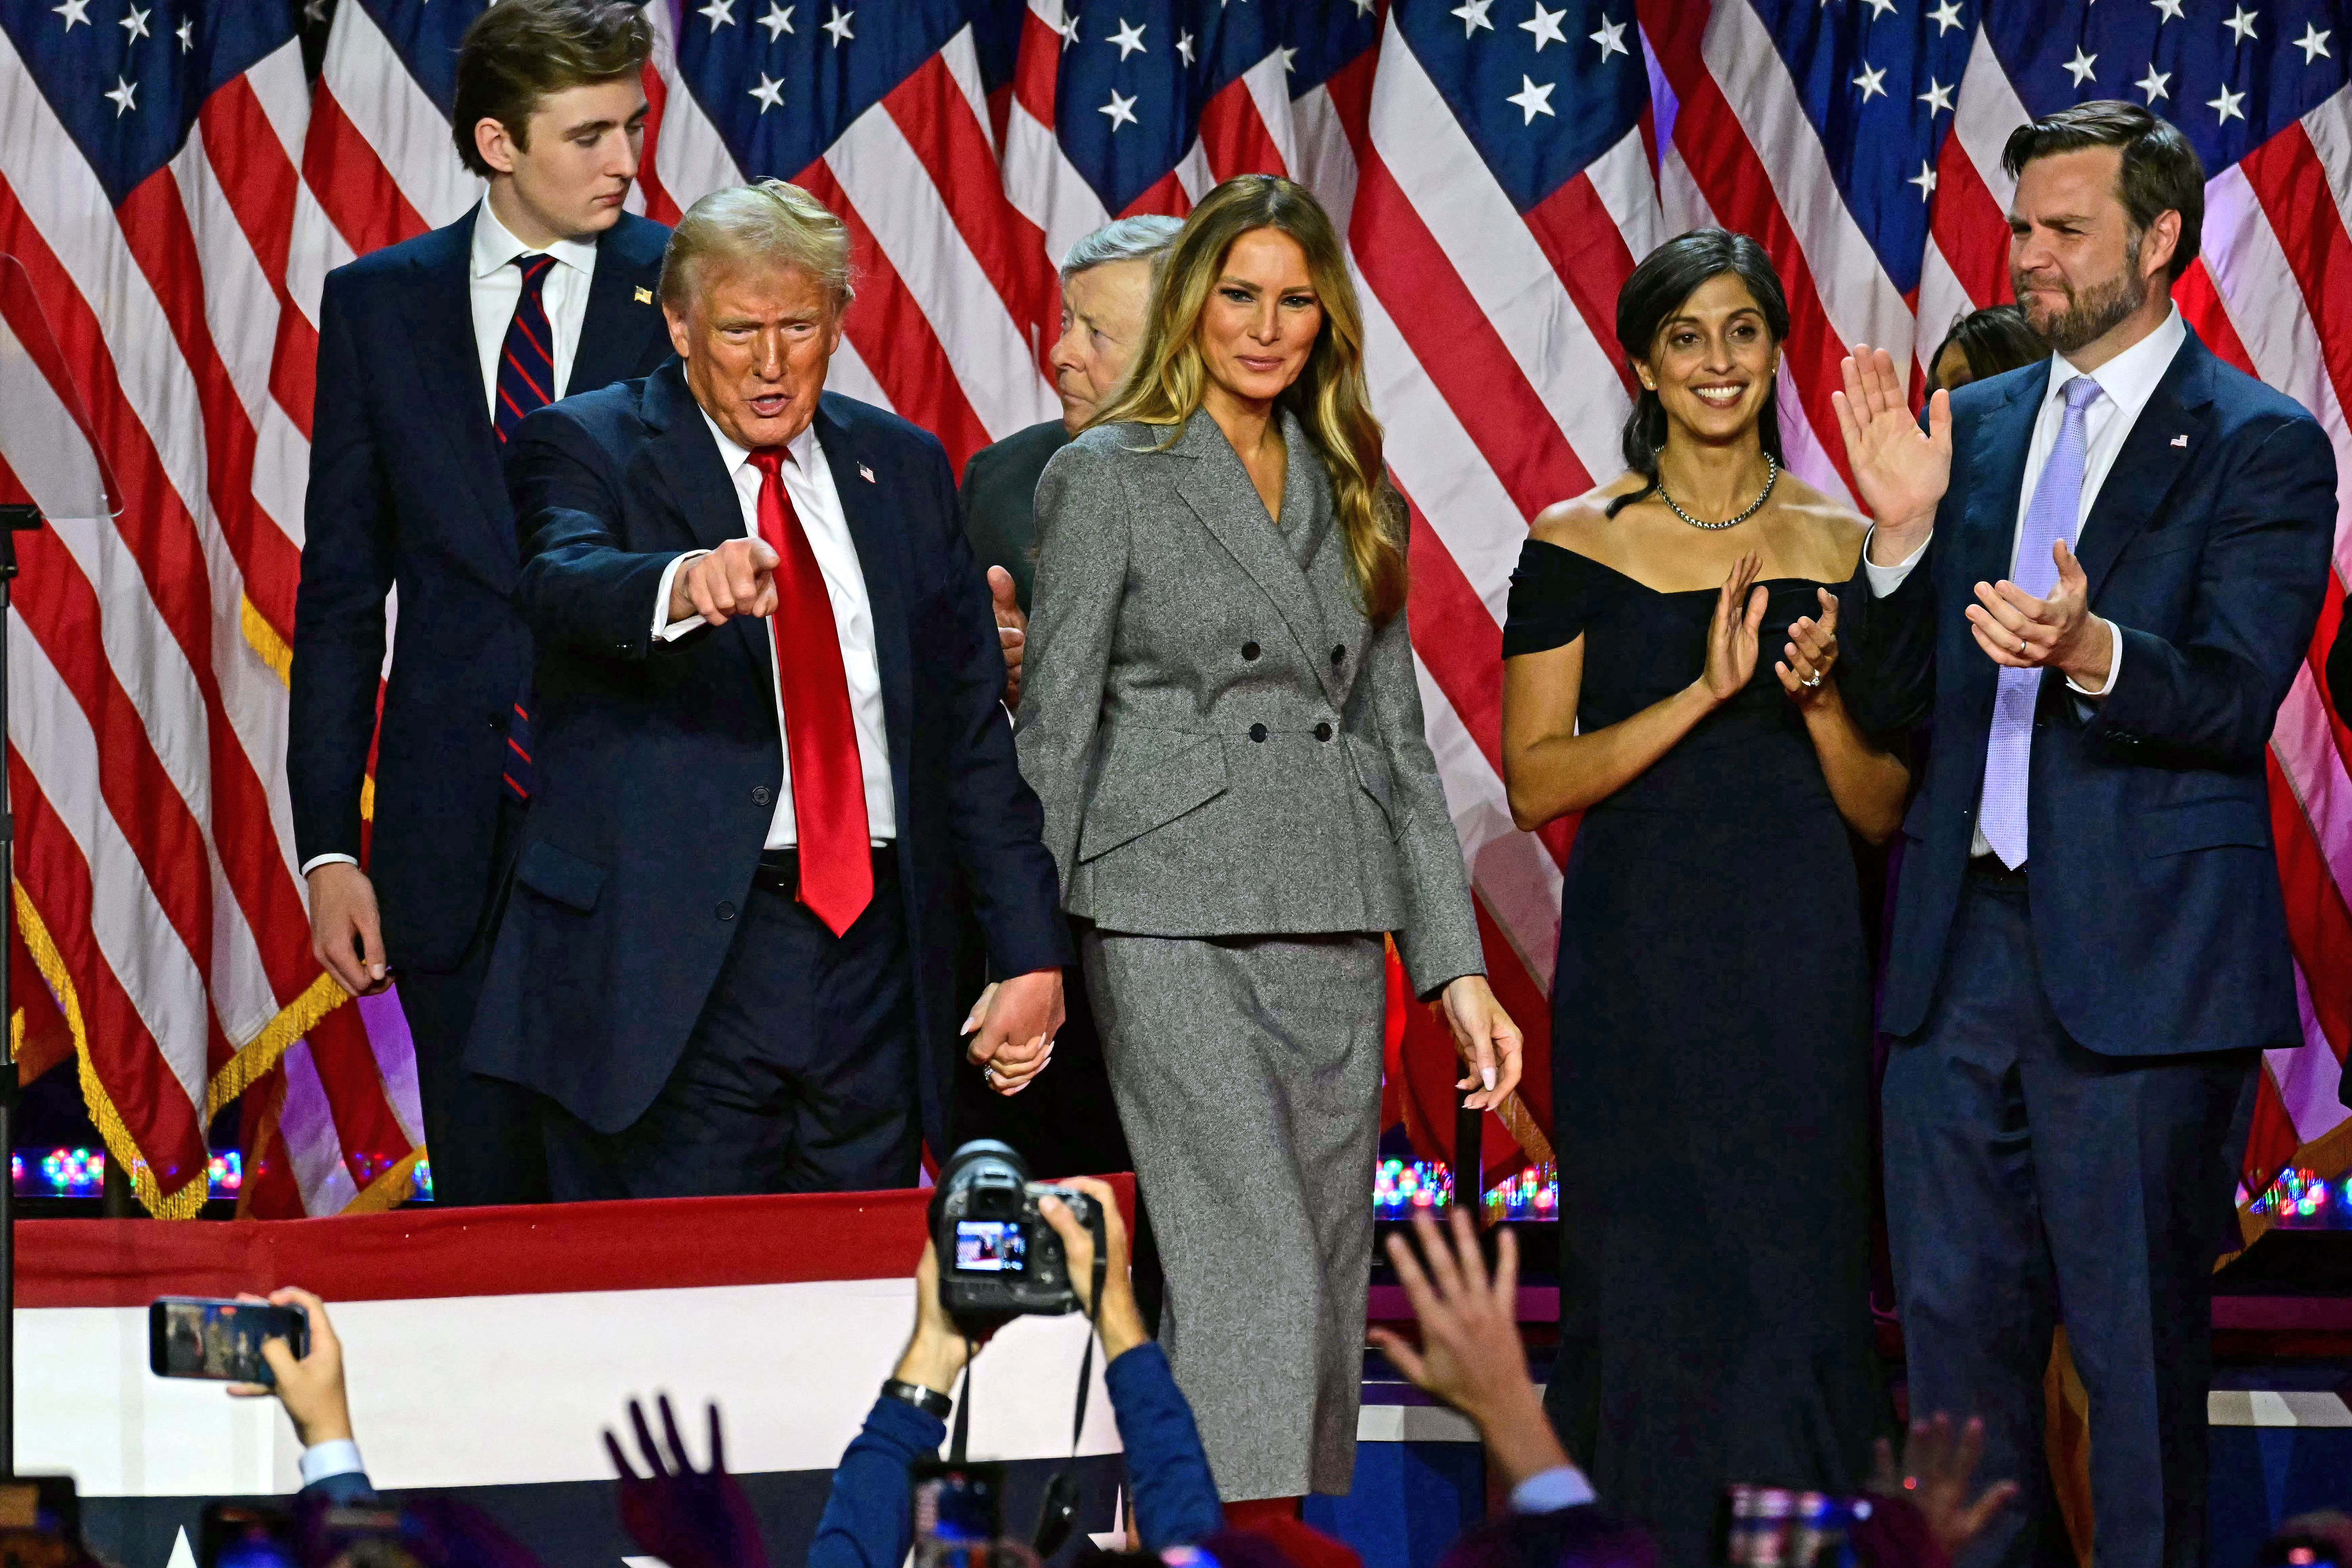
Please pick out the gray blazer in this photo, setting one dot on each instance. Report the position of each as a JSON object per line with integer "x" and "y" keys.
{"x": 1223, "y": 744}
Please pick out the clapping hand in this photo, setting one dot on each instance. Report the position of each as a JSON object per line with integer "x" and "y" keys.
{"x": 1938, "y": 1468}
{"x": 1901, "y": 470}
{"x": 686, "y": 1517}
{"x": 1810, "y": 653}
{"x": 1012, "y": 630}
{"x": 1731, "y": 637}
{"x": 2019, "y": 631}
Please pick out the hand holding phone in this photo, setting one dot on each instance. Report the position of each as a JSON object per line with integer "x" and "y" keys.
{"x": 294, "y": 1353}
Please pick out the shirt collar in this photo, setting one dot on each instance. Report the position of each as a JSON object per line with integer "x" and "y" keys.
{"x": 495, "y": 247}
{"x": 806, "y": 453}
{"x": 2129, "y": 379}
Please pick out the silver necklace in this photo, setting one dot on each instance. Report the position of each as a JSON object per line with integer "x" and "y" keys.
{"x": 1772, "y": 477}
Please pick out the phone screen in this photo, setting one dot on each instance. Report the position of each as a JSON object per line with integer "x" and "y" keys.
{"x": 989, "y": 1245}
{"x": 219, "y": 1339}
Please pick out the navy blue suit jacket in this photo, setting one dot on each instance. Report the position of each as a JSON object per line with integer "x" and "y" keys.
{"x": 658, "y": 762}
{"x": 406, "y": 487}
{"x": 2157, "y": 919}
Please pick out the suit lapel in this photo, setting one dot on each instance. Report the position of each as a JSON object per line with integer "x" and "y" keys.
{"x": 1218, "y": 488}
{"x": 881, "y": 557}
{"x": 450, "y": 363}
{"x": 689, "y": 462}
{"x": 2148, "y": 464}
{"x": 618, "y": 328}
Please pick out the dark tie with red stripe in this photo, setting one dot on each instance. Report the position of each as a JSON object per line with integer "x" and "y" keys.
{"x": 820, "y": 738}
{"x": 526, "y": 384}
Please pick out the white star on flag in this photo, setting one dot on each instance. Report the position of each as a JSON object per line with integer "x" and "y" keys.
{"x": 839, "y": 25}
{"x": 2079, "y": 67}
{"x": 1610, "y": 38}
{"x": 1531, "y": 100}
{"x": 134, "y": 23}
{"x": 720, "y": 12}
{"x": 187, "y": 34}
{"x": 2313, "y": 42}
{"x": 125, "y": 95}
{"x": 1872, "y": 82}
{"x": 1936, "y": 97}
{"x": 2226, "y": 106}
{"x": 1880, "y": 7}
{"x": 778, "y": 21}
{"x": 2154, "y": 84}
{"x": 1287, "y": 57}
{"x": 1925, "y": 179}
{"x": 1185, "y": 47}
{"x": 1130, "y": 39}
{"x": 1471, "y": 12}
{"x": 1120, "y": 110}
{"x": 1363, "y": 8}
{"x": 1945, "y": 17}
{"x": 2242, "y": 22}
{"x": 770, "y": 92}
{"x": 1545, "y": 26}
{"x": 2165, "y": 10}
{"x": 73, "y": 11}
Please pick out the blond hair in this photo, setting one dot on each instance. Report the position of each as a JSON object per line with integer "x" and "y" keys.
{"x": 772, "y": 221}
{"x": 1328, "y": 398}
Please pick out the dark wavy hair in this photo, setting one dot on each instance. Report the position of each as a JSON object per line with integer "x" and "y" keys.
{"x": 1993, "y": 339}
{"x": 1656, "y": 291}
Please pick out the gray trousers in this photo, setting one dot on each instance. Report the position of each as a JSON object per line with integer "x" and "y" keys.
{"x": 1247, "y": 1073}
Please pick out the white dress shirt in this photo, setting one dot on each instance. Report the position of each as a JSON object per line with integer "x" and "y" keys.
{"x": 493, "y": 288}
{"x": 808, "y": 479}
{"x": 2125, "y": 383}
{"x": 321, "y": 1461}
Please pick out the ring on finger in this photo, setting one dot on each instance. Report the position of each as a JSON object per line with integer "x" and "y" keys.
{"x": 1811, "y": 681}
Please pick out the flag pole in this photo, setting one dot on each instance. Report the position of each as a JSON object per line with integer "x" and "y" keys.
{"x": 12, "y": 518}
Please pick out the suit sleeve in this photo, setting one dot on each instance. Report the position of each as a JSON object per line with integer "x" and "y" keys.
{"x": 993, "y": 818}
{"x": 339, "y": 623}
{"x": 2211, "y": 699}
{"x": 1888, "y": 677}
{"x": 578, "y": 588}
{"x": 1082, "y": 519}
{"x": 1439, "y": 940}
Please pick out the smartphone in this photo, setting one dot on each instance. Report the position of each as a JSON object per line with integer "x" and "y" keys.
{"x": 194, "y": 1336}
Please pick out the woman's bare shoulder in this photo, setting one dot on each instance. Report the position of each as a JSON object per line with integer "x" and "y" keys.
{"x": 1581, "y": 523}
{"x": 1836, "y": 527}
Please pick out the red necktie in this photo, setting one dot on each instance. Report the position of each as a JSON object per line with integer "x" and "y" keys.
{"x": 828, "y": 780}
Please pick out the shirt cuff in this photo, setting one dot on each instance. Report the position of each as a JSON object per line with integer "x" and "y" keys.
{"x": 667, "y": 630}
{"x": 341, "y": 1457}
{"x": 2115, "y": 663}
{"x": 315, "y": 861}
{"x": 1548, "y": 1491}
{"x": 1885, "y": 580}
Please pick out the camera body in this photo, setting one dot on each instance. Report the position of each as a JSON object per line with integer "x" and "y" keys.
{"x": 998, "y": 1256}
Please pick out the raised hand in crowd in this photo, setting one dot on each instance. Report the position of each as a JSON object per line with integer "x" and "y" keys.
{"x": 1810, "y": 654}
{"x": 1900, "y": 470}
{"x": 1731, "y": 635}
{"x": 1489, "y": 1043}
{"x": 1470, "y": 1354}
{"x": 1937, "y": 1475}
{"x": 686, "y": 1517}
{"x": 1012, "y": 630}
{"x": 346, "y": 933}
{"x": 311, "y": 1387}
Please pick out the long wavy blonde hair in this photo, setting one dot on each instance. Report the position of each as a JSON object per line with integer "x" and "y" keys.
{"x": 1171, "y": 378}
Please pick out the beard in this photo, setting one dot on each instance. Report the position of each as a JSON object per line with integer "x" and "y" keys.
{"x": 2091, "y": 313}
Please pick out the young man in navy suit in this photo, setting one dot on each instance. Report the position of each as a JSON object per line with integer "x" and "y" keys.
{"x": 2098, "y": 575}
{"x": 771, "y": 745}
{"x": 430, "y": 353}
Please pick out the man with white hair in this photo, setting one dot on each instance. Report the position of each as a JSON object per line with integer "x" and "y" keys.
{"x": 769, "y": 738}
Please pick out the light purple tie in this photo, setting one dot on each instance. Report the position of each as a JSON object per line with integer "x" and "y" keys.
{"x": 2056, "y": 511}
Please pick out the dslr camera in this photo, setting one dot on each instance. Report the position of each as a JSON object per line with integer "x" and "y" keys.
{"x": 998, "y": 1256}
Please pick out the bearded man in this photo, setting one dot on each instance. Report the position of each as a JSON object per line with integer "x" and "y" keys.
{"x": 2098, "y": 575}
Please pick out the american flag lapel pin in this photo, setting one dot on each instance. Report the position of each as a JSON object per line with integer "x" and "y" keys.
{"x": 2181, "y": 439}
{"x": 866, "y": 473}
{"x": 645, "y": 296}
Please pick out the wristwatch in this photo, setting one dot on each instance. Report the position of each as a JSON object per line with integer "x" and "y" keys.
{"x": 930, "y": 1401}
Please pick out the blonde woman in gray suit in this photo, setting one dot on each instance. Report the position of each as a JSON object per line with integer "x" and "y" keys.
{"x": 1222, "y": 722}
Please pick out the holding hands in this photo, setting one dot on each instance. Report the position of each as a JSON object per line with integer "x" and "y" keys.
{"x": 1901, "y": 470}
{"x": 1486, "y": 1040}
{"x": 1012, "y": 630}
{"x": 1012, "y": 1024}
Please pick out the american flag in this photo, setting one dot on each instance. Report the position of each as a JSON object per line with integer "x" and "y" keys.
{"x": 178, "y": 189}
